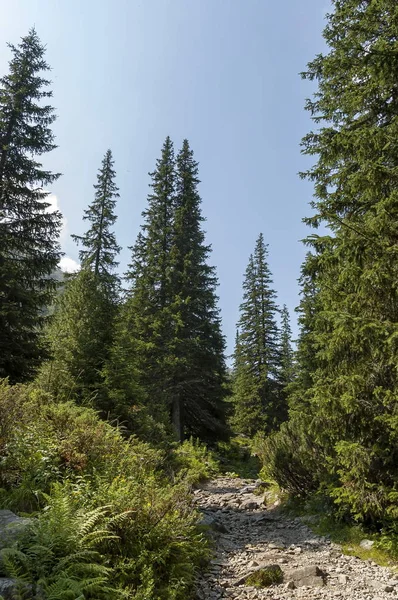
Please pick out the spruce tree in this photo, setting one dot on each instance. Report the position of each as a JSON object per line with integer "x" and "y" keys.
{"x": 99, "y": 242}
{"x": 169, "y": 337}
{"x": 29, "y": 248}
{"x": 143, "y": 341}
{"x": 256, "y": 353}
{"x": 83, "y": 326}
{"x": 354, "y": 269}
{"x": 198, "y": 344}
{"x": 286, "y": 354}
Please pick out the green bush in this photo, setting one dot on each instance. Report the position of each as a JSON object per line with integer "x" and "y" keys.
{"x": 236, "y": 456}
{"x": 100, "y": 497}
{"x": 291, "y": 458}
{"x": 194, "y": 461}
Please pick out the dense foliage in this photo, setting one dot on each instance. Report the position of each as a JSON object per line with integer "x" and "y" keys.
{"x": 114, "y": 525}
{"x": 100, "y": 448}
{"x": 263, "y": 356}
{"x": 344, "y": 403}
{"x": 169, "y": 333}
{"x": 81, "y": 332}
{"x": 29, "y": 249}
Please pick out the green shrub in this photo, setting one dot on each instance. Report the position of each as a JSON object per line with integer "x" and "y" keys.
{"x": 100, "y": 497}
{"x": 58, "y": 556}
{"x": 194, "y": 461}
{"x": 236, "y": 456}
{"x": 388, "y": 540}
{"x": 290, "y": 457}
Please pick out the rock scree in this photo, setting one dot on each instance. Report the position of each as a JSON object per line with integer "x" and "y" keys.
{"x": 249, "y": 538}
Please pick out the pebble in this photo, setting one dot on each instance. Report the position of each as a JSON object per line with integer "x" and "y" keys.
{"x": 248, "y": 536}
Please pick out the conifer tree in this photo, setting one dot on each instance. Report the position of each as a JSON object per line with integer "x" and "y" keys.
{"x": 29, "y": 248}
{"x": 83, "y": 326}
{"x": 198, "y": 344}
{"x": 354, "y": 270}
{"x": 256, "y": 354}
{"x": 286, "y": 355}
{"x": 99, "y": 242}
{"x": 145, "y": 329}
{"x": 170, "y": 333}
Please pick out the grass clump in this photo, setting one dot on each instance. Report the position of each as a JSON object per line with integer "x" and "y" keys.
{"x": 265, "y": 577}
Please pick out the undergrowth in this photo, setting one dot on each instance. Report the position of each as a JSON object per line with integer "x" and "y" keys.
{"x": 113, "y": 519}
{"x": 236, "y": 458}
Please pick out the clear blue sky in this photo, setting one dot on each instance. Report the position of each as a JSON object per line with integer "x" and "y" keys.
{"x": 224, "y": 74}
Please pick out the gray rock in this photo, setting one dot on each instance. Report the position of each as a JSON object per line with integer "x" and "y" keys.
{"x": 366, "y": 544}
{"x": 247, "y": 490}
{"x": 11, "y": 527}
{"x": 7, "y": 588}
{"x": 250, "y": 505}
{"x": 212, "y": 523}
{"x": 310, "y": 571}
{"x": 310, "y": 576}
{"x": 310, "y": 582}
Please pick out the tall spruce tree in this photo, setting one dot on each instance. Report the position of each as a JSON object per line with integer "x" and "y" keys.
{"x": 169, "y": 336}
{"x": 355, "y": 269}
{"x": 198, "y": 344}
{"x": 143, "y": 345}
{"x": 29, "y": 248}
{"x": 256, "y": 356}
{"x": 286, "y": 354}
{"x": 83, "y": 326}
{"x": 99, "y": 242}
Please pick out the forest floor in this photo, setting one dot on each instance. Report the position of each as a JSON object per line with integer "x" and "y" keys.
{"x": 248, "y": 537}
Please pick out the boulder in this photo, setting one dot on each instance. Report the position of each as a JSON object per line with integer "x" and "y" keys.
{"x": 310, "y": 576}
{"x": 212, "y": 523}
{"x": 11, "y": 527}
{"x": 7, "y": 588}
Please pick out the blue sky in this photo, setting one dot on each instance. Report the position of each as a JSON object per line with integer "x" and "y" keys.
{"x": 224, "y": 74}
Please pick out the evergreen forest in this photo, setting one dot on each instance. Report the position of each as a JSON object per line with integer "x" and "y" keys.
{"x": 117, "y": 397}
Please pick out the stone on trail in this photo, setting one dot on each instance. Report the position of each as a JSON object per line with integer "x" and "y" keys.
{"x": 310, "y": 576}
{"x": 250, "y": 505}
{"x": 212, "y": 523}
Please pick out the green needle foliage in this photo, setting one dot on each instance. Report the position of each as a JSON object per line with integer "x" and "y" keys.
{"x": 346, "y": 408}
{"x": 256, "y": 390}
{"x": 82, "y": 330}
{"x": 355, "y": 385}
{"x": 29, "y": 249}
{"x": 198, "y": 344}
{"x": 286, "y": 358}
{"x": 99, "y": 242}
{"x": 144, "y": 331}
{"x": 169, "y": 335}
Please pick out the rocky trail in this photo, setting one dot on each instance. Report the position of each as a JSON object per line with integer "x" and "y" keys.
{"x": 248, "y": 537}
